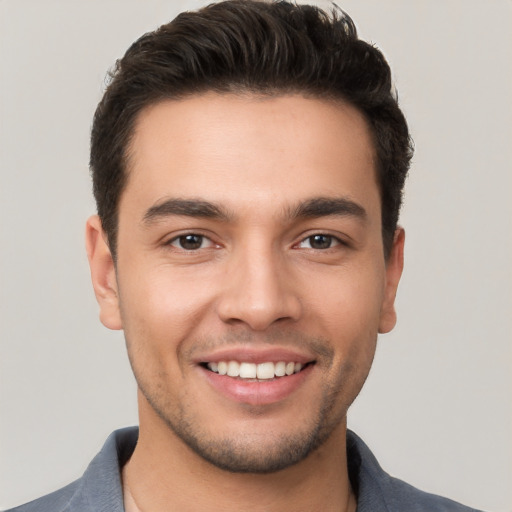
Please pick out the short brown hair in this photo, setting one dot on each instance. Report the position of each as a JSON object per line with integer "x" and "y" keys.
{"x": 250, "y": 46}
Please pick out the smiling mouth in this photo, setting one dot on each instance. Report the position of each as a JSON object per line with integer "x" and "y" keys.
{"x": 251, "y": 371}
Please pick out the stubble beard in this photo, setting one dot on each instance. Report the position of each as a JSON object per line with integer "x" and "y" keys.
{"x": 246, "y": 453}
{"x": 263, "y": 452}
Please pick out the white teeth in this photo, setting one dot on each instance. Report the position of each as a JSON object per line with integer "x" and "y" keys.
{"x": 261, "y": 371}
{"x": 265, "y": 370}
{"x": 247, "y": 371}
{"x": 222, "y": 368}
{"x": 233, "y": 369}
{"x": 280, "y": 369}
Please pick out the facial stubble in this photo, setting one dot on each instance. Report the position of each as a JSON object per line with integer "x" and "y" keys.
{"x": 258, "y": 453}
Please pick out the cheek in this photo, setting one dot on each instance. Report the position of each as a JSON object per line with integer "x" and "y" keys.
{"x": 347, "y": 299}
{"x": 161, "y": 308}
{"x": 347, "y": 311}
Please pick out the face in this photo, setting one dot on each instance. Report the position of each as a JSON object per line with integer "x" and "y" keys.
{"x": 251, "y": 281}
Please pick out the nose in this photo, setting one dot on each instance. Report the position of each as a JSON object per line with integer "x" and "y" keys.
{"x": 259, "y": 291}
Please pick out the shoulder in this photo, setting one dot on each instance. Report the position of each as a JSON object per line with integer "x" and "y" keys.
{"x": 377, "y": 490}
{"x": 100, "y": 488}
{"x": 403, "y": 496}
{"x": 56, "y": 501}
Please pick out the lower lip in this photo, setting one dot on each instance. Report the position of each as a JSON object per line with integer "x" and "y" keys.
{"x": 261, "y": 392}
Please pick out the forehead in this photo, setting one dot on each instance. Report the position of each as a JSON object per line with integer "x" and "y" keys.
{"x": 247, "y": 147}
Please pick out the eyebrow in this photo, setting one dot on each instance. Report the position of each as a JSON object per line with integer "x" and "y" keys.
{"x": 327, "y": 206}
{"x": 186, "y": 207}
{"x": 312, "y": 208}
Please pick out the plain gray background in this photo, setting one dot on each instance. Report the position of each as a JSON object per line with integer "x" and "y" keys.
{"x": 436, "y": 409}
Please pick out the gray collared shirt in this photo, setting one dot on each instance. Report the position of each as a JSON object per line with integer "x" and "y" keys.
{"x": 100, "y": 489}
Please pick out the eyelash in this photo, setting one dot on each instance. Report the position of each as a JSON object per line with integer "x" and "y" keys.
{"x": 181, "y": 239}
{"x": 330, "y": 238}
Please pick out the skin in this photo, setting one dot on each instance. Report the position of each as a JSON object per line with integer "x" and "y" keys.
{"x": 257, "y": 281}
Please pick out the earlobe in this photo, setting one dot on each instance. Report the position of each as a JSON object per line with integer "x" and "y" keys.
{"x": 103, "y": 273}
{"x": 394, "y": 268}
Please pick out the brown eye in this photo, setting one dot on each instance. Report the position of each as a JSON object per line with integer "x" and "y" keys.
{"x": 319, "y": 242}
{"x": 190, "y": 242}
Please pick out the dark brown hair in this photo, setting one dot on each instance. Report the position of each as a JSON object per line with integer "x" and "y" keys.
{"x": 250, "y": 46}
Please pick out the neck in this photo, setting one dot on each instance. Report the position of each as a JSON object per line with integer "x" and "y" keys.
{"x": 165, "y": 474}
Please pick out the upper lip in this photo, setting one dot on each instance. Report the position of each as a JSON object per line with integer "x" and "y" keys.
{"x": 254, "y": 355}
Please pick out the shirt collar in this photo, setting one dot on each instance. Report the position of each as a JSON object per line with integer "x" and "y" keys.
{"x": 101, "y": 486}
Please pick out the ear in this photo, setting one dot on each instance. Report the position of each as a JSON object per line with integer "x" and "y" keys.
{"x": 103, "y": 273}
{"x": 394, "y": 267}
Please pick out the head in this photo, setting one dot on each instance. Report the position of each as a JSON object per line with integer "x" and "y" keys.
{"x": 258, "y": 47}
{"x": 248, "y": 162}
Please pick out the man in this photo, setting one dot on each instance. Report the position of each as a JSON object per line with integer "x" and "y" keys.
{"x": 248, "y": 163}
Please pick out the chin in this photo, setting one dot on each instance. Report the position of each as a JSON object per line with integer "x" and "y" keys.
{"x": 244, "y": 453}
{"x": 261, "y": 450}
